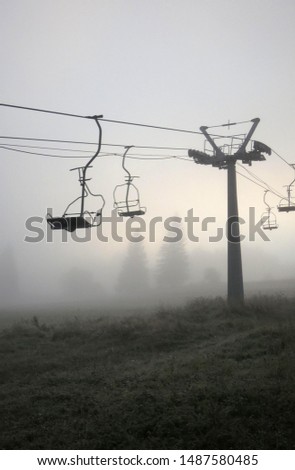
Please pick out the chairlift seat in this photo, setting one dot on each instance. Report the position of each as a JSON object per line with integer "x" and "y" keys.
{"x": 286, "y": 208}
{"x": 270, "y": 226}
{"x": 130, "y": 205}
{"x": 131, "y": 213}
{"x": 270, "y": 220}
{"x": 69, "y": 223}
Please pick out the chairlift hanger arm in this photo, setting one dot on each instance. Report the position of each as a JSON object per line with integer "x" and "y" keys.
{"x": 264, "y": 199}
{"x": 129, "y": 180}
{"x": 123, "y": 161}
{"x": 96, "y": 119}
{"x": 291, "y": 184}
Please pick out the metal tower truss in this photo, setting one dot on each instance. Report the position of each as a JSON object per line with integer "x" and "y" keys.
{"x": 225, "y": 149}
{"x": 224, "y": 152}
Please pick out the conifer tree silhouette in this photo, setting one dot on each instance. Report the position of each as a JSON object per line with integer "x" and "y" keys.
{"x": 133, "y": 279}
{"x": 172, "y": 270}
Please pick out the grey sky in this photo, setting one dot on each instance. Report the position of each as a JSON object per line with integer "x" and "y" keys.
{"x": 174, "y": 63}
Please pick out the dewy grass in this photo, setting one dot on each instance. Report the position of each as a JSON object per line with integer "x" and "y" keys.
{"x": 201, "y": 376}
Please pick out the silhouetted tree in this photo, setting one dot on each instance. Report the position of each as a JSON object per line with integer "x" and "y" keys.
{"x": 133, "y": 279}
{"x": 212, "y": 276}
{"x": 81, "y": 286}
{"x": 172, "y": 270}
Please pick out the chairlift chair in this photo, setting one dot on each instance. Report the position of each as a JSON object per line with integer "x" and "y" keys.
{"x": 128, "y": 203}
{"x": 71, "y": 221}
{"x": 270, "y": 222}
{"x": 268, "y": 217}
{"x": 290, "y": 205}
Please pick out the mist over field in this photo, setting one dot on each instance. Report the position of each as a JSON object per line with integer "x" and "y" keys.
{"x": 133, "y": 277}
{"x": 122, "y": 335}
{"x": 151, "y": 65}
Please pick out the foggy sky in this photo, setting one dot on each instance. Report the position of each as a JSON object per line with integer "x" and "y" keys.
{"x": 178, "y": 64}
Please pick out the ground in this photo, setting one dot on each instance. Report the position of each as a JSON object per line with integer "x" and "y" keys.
{"x": 204, "y": 376}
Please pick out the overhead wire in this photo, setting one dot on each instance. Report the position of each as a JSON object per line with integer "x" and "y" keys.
{"x": 282, "y": 158}
{"x": 12, "y": 147}
{"x": 115, "y": 121}
{"x": 69, "y": 157}
{"x": 40, "y": 110}
{"x": 253, "y": 181}
{"x": 151, "y": 126}
{"x": 261, "y": 180}
{"x": 266, "y": 187}
{"x": 270, "y": 188}
{"x": 144, "y": 155}
{"x": 101, "y": 118}
{"x": 60, "y": 141}
{"x": 104, "y": 154}
{"x": 35, "y": 139}
{"x": 5, "y": 144}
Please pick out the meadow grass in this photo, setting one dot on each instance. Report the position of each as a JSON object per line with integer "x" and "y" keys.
{"x": 204, "y": 376}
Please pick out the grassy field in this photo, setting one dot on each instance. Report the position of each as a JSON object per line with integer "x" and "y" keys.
{"x": 204, "y": 376}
